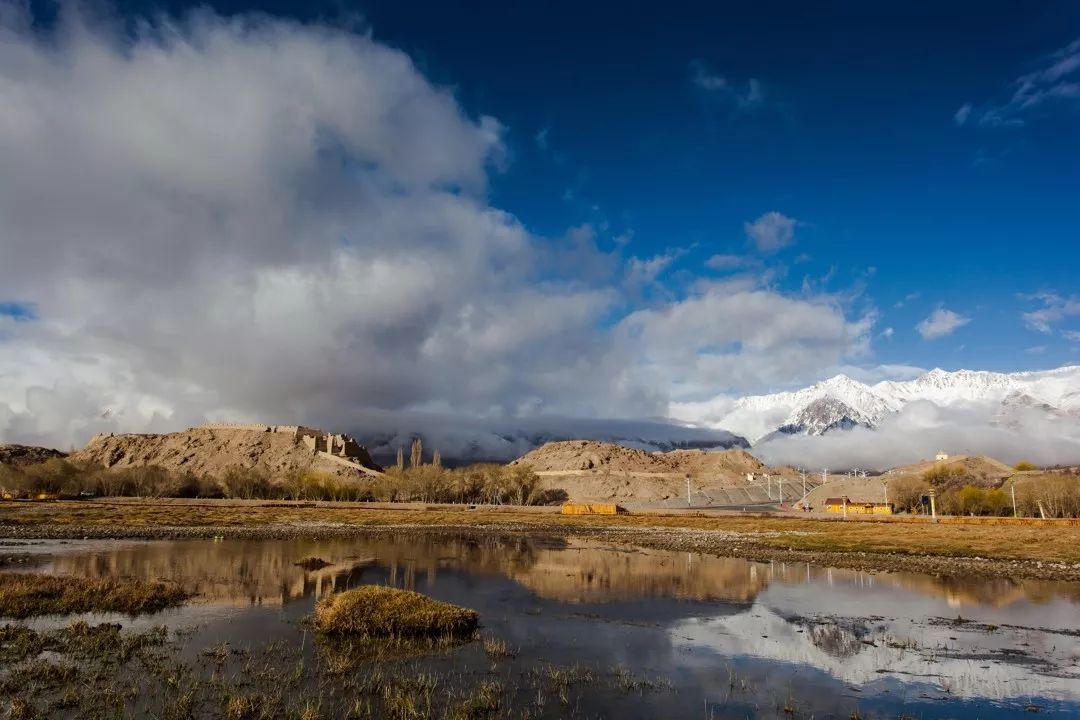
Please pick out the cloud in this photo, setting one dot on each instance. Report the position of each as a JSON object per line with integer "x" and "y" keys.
{"x": 256, "y": 219}
{"x": 941, "y": 323}
{"x": 738, "y": 335}
{"x": 771, "y": 232}
{"x": 907, "y": 298}
{"x": 1036, "y": 350}
{"x": 922, "y": 428}
{"x": 466, "y": 439}
{"x": 726, "y": 262}
{"x": 1071, "y": 335}
{"x": 962, "y": 114}
{"x": 1055, "y": 308}
{"x": 744, "y": 96}
{"x": 1054, "y": 80}
{"x": 541, "y": 138}
{"x": 888, "y": 333}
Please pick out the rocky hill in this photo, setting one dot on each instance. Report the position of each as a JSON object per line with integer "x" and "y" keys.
{"x": 212, "y": 450}
{"x": 590, "y": 455}
{"x": 588, "y": 470}
{"x": 19, "y": 455}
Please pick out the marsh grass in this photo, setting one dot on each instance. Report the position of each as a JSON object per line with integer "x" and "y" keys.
{"x": 103, "y": 672}
{"x": 25, "y": 595}
{"x": 385, "y": 612}
{"x": 496, "y": 648}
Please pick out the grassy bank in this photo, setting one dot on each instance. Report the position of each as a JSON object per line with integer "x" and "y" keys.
{"x": 23, "y": 595}
{"x": 1038, "y": 542}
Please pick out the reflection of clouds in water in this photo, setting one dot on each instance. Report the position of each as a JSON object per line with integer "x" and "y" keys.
{"x": 962, "y": 663}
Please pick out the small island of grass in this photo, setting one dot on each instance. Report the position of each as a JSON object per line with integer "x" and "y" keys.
{"x": 378, "y": 611}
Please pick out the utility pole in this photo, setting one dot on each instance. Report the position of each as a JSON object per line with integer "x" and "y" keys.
{"x": 1013, "y": 489}
{"x": 803, "y": 485}
{"x": 781, "y": 490}
{"x": 769, "y": 479}
{"x": 845, "y": 506}
{"x": 824, "y": 476}
{"x": 687, "y": 489}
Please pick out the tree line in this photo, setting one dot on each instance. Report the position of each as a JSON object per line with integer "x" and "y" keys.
{"x": 1046, "y": 494}
{"x": 487, "y": 483}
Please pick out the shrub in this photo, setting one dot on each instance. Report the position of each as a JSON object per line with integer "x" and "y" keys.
{"x": 1025, "y": 466}
{"x": 906, "y": 492}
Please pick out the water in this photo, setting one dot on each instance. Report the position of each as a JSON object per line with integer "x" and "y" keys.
{"x": 709, "y": 636}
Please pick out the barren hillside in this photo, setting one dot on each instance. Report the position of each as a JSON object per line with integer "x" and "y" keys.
{"x": 208, "y": 451}
{"x": 19, "y": 455}
{"x": 968, "y": 470}
{"x": 578, "y": 455}
{"x": 591, "y": 470}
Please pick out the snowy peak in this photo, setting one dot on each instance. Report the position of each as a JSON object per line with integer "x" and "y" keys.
{"x": 824, "y": 414}
{"x": 842, "y": 402}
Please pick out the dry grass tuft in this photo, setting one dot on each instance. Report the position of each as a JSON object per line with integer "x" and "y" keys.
{"x": 377, "y": 611}
{"x": 23, "y": 595}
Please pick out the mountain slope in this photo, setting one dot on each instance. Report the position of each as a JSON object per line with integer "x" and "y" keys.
{"x": 842, "y": 403}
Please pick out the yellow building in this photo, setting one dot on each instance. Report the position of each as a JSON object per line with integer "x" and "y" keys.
{"x": 857, "y": 507}
{"x": 592, "y": 509}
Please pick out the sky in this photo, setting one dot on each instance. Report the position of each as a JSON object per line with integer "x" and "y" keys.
{"x": 303, "y": 211}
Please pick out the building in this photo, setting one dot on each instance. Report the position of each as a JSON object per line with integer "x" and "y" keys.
{"x": 941, "y": 456}
{"x": 857, "y": 507}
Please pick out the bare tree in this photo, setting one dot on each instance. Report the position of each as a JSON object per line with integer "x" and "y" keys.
{"x": 416, "y": 453}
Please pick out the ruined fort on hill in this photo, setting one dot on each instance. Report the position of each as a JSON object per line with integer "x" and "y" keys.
{"x": 212, "y": 448}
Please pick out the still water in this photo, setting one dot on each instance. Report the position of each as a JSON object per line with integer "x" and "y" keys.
{"x": 725, "y": 637}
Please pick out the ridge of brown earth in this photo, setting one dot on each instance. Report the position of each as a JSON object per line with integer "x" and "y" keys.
{"x": 20, "y": 455}
{"x": 211, "y": 451}
{"x": 592, "y": 471}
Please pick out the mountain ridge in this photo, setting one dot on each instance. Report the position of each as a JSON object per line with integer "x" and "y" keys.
{"x": 841, "y": 402}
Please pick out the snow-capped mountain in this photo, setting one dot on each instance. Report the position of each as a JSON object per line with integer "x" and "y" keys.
{"x": 841, "y": 402}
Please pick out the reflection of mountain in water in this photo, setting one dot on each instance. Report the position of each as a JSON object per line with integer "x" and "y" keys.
{"x": 588, "y": 574}
{"x": 836, "y": 639}
{"x": 263, "y": 572}
{"x": 573, "y": 571}
{"x": 971, "y": 664}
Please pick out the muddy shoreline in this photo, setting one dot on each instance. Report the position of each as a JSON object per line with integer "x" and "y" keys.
{"x": 719, "y": 543}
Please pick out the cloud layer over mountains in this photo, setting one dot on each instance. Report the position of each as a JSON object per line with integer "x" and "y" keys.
{"x": 254, "y": 218}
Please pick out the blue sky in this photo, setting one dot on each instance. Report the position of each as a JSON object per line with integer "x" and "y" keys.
{"x": 510, "y": 209}
{"x": 853, "y": 135}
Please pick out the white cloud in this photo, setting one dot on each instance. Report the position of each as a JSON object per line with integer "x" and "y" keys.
{"x": 1071, "y": 335}
{"x": 744, "y": 96}
{"x": 941, "y": 323}
{"x": 541, "y": 138}
{"x": 1055, "y": 80}
{"x": 887, "y": 333}
{"x": 1036, "y": 350}
{"x": 258, "y": 219}
{"x": 771, "y": 232}
{"x": 1055, "y": 308}
{"x": 726, "y": 262}
{"x": 738, "y": 335}
{"x": 962, "y": 114}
